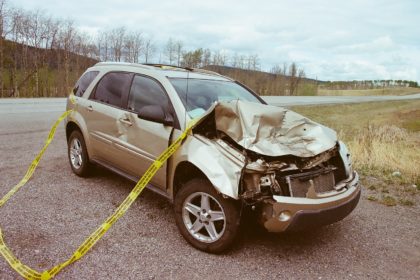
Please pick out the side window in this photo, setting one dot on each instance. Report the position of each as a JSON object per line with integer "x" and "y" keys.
{"x": 145, "y": 92}
{"x": 111, "y": 88}
{"x": 84, "y": 82}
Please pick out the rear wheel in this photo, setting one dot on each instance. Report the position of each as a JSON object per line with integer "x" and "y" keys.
{"x": 205, "y": 219}
{"x": 78, "y": 156}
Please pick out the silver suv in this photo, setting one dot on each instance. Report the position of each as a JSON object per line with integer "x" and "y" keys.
{"x": 242, "y": 154}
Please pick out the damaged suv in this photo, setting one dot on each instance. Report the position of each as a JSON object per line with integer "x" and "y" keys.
{"x": 293, "y": 172}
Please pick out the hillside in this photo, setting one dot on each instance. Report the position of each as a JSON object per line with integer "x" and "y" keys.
{"x": 27, "y": 71}
{"x": 265, "y": 83}
{"x": 39, "y": 72}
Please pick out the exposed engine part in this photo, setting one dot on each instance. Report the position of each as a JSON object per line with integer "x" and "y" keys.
{"x": 296, "y": 177}
{"x": 261, "y": 166}
{"x": 257, "y": 166}
{"x": 318, "y": 159}
{"x": 260, "y": 181}
{"x": 270, "y": 181}
{"x": 309, "y": 184}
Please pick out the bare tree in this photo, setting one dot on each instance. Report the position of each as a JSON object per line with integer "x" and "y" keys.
{"x": 295, "y": 76}
{"x": 206, "y": 60}
{"x": 103, "y": 45}
{"x": 67, "y": 38}
{"x": 219, "y": 58}
{"x": 133, "y": 43}
{"x": 170, "y": 51}
{"x": 279, "y": 84}
{"x": 40, "y": 47}
{"x": 239, "y": 61}
{"x": 3, "y": 32}
{"x": 36, "y": 32}
{"x": 253, "y": 62}
{"x": 16, "y": 26}
{"x": 149, "y": 49}
{"x": 116, "y": 39}
{"x": 178, "y": 51}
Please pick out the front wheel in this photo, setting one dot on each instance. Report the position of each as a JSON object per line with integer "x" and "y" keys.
{"x": 205, "y": 219}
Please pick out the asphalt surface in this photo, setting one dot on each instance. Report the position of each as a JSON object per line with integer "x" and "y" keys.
{"x": 29, "y": 105}
{"x": 51, "y": 216}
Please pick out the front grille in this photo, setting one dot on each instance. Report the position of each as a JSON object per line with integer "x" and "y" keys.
{"x": 299, "y": 184}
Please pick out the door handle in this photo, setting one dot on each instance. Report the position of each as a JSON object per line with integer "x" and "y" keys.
{"x": 126, "y": 121}
{"x": 89, "y": 108}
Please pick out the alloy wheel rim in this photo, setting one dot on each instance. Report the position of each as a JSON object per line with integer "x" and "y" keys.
{"x": 203, "y": 217}
{"x": 76, "y": 153}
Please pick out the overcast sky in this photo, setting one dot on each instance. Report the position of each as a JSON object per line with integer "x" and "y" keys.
{"x": 331, "y": 40}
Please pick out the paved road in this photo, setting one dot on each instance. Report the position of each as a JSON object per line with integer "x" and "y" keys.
{"x": 48, "y": 219}
{"x": 28, "y": 105}
{"x": 32, "y": 105}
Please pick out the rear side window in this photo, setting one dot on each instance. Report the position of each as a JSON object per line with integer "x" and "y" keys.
{"x": 112, "y": 87}
{"x": 84, "y": 82}
{"x": 145, "y": 92}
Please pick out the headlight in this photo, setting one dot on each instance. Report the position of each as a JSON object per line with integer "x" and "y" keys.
{"x": 346, "y": 158}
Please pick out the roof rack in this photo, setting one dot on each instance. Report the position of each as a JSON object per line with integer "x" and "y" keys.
{"x": 168, "y": 67}
{"x": 110, "y": 63}
{"x": 174, "y": 67}
{"x": 158, "y": 65}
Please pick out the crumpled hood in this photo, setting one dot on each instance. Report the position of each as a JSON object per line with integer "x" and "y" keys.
{"x": 270, "y": 130}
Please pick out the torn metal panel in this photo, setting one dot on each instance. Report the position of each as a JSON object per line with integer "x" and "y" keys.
{"x": 269, "y": 130}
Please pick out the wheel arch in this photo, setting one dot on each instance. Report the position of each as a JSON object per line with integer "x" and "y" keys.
{"x": 184, "y": 172}
{"x": 70, "y": 127}
{"x": 73, "y": 125}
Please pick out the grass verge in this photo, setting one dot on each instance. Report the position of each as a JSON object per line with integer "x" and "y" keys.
{"x": 384, "y": 139}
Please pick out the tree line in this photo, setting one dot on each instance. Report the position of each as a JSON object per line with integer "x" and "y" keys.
{"x": 367, "y": 84}
{"x": 42, "y": 56}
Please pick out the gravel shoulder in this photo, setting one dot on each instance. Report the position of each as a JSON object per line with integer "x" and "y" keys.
{"x": 47, "y": 220}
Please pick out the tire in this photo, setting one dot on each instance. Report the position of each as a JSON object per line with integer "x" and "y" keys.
{"x": 215, "y": 229}
{"x": 77, "y": 153}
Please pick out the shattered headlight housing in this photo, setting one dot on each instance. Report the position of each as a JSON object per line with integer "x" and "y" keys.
{"x": 346, "y": 158}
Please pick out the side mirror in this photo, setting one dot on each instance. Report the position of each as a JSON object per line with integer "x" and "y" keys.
{"x": 155, "y": 113}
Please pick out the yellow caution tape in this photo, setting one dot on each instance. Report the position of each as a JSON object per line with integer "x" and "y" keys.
{"x": 29, "y": 273}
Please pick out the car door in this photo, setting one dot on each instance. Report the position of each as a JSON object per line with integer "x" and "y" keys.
{"x": 145, "y": 140}
{"x": 101, "y": 112}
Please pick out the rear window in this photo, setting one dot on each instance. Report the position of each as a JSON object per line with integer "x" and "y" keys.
{"x": 84, "y": 82}
{"x": 112, "y": 87}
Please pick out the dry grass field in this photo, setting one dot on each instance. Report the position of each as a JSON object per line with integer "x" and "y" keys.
{"x": 384, "y": 139}
{"x": 364, "y": 92}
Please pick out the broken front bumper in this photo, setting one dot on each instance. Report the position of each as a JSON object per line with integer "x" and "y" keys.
{"x": 294, "y": 213}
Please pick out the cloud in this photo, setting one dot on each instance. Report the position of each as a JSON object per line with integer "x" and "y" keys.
{"x": 356, "y": 39}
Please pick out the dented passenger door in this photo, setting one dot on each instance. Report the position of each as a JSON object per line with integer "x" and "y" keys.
{"x": 101, "y": 112}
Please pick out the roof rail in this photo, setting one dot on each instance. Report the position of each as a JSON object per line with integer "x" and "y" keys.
{"x": 161, "y": 66}
{"x": 110, "y": 63}
{"x": 174, "y": 67}
{"x": 168, "y": 67}
{"x": 204, "y": 71}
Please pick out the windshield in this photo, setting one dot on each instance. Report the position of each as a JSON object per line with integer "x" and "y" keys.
{"x": 203, "y": 93}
